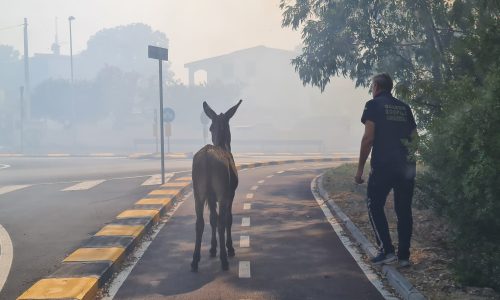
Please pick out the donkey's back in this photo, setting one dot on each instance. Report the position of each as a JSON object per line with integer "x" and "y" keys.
{"x": 214, "y": 171}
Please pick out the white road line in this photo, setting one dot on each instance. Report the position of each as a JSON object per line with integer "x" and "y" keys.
{"x": 261, "y": 181}
{"x": 6, "y": 256}
{"x": 249, "y": 196}
{"x": 136, "y": 256}
{"x": 244, "y": 269}
{"x": 2, "y": 166}
{"x": 84, "y": 185}
{"x": 351, "y": 248}
{"x": 245, "y": 221}
{"x": 247, "y": 206}
{"x": 254, "y": 188}
{"x": 244, "y": 241}
{"x": 280, "y": 172}
{"x": 156, "y": 179}
{"x": 292, "y": 169}
{"x": 270, "y": 176}
{"x": 10, "y": 188}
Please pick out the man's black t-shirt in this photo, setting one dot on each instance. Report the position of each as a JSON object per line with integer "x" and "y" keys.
{"x": 394, "y": 124}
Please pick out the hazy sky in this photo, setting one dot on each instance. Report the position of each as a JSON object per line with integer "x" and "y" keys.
{"x": 196, "y": 28}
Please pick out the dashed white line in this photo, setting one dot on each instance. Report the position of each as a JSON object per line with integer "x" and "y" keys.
{"x": 244, "y": 241}
{"x": 85, "y": 185}
{"x": 6, "y": 256}
{"x": 250, "y": 196}
{"x": 261, "y": 181}
{"x": 292, "y": 169}
{"x": 254, "y": 188}
{"x": 245, "y": 221}
{"x": 247, "y": 206}
{"x": 270, "y": 176}
{"x": 244, "y": 269}
{"x": 12, "y": 188}
{"x": 280, "y": 172}
{"x": 2, "y": 166}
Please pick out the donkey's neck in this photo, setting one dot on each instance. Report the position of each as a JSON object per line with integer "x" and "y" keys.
{"x": 224, "y": 146}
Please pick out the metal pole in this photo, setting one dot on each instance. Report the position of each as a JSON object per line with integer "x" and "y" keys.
{"x": 161, "y": 125}
{"x": 155, "y": 130}
{"x": 21, "y": 91}
{"x": 26, "y": 69}
{"x": 71, "y": 47}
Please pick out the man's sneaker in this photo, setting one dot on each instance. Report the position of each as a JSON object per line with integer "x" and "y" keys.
{"x": 382, "y": 258}
{"x": 403, "y": 263}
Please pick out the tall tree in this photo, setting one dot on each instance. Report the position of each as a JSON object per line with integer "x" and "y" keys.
{"x": 414, "y": 41}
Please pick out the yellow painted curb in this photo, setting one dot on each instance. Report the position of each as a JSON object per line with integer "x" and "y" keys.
{"x": 175, "y": 184}
{"x": 152, "y": 201}
{"x": 95, "y": 254}
{"x": 164, "y": 192}
{"x": 183, "y": 179}
{"x": 84, "y": 288}
{"x": 140, "y": 213}
{"x": 121, "y": 230}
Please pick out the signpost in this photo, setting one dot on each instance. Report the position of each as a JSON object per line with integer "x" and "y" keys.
{"x": 168, "y": 117}
{"x": 161, "y": 54}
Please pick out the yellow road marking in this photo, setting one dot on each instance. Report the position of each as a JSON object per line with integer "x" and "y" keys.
{"x": 84, "y": 288}
{"x": 164, "y": 192}
{"x": 121, "y": 230}
{"x": 95, "y": 254}
{"x": 162, "y": 201}
{"x": 140, "y": 213}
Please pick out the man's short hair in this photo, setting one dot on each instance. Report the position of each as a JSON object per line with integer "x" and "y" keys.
{"x": 383, "y": 81}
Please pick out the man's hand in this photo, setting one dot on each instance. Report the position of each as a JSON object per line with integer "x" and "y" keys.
{"x": 359, "y": 177}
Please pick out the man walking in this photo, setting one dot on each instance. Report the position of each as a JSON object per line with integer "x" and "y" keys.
{"x": 389, "y": 127}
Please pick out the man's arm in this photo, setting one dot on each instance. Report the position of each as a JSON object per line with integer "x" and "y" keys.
{"x": 365, "y": 149}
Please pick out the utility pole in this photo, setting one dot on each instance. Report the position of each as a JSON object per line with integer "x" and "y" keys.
{"x": 26, "y": 70}
{"x": 71, "y": 18}
{"x": 21, "y": 122}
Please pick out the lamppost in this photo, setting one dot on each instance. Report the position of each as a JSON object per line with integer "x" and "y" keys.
{"x": 71, "y": 18}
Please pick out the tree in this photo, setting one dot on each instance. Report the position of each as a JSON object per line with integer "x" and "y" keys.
{"x": 420, "y": 43}
{"x": 124, "y": 47}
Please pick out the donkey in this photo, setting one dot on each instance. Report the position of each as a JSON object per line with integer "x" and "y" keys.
{"x": 215, "y": 180}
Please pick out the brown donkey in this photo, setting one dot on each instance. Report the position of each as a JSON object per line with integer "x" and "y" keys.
{"x": 215, "y": 180}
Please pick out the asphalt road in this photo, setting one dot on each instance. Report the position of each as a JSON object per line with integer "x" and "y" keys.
{"x": 292, "y": 253}
{"x": 46, "y": 222}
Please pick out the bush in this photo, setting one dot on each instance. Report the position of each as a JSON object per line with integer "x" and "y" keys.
{"x": 462, "y": 181}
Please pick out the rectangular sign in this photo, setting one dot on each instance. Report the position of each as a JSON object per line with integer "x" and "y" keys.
{"x": 158, "y": 53}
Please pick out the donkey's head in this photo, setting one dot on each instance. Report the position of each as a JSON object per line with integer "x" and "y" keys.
{"x": 221, "y": 135}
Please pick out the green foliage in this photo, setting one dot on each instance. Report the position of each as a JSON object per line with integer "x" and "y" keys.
{"x": 463, "y": 179}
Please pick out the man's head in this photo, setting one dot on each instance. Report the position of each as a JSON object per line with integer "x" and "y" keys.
{"x": 381, "y": 82}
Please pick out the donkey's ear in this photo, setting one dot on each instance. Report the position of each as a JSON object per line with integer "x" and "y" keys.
{"x": 209, "y": 111}
{"x": 230, "y": 113}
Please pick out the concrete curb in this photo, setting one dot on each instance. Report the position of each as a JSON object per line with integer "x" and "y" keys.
{"x": 404, "y": 288}
{"x": 89, "y": 267}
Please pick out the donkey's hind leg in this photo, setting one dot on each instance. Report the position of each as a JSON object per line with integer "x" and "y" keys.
{"x": 200, "y": 224}
{"x": 221, "y": 226}
{"x": 229, "y": 224}
{"x": 212, "y": 203}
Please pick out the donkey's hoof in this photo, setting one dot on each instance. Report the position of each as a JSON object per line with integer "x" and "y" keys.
{"x": 213, "y": 253}
{"x": 231, "y": 253}
{"x": 225, "y": 266}
{"x": 194, "y": 267}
